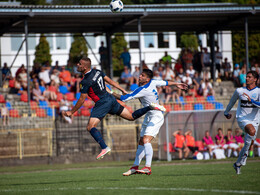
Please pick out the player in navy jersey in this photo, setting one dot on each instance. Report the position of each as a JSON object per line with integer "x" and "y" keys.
{"x": 93, "y": 85}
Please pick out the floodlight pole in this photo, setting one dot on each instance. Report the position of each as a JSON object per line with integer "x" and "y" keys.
{"x": 27, "y": 64}
{"x": 246, "y": 41}
{"x": 109, "y": 55}
{"x": 139, "y": 44}
{"x": 212, "y": 53}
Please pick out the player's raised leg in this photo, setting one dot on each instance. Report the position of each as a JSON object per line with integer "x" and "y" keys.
{"x": 92, "y": 124}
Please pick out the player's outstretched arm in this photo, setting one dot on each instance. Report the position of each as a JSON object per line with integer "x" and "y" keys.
{"x": 79, "y": 103}
{"x": 231, "y": 104}
{"x": 182, "y": 86}
{"x": 115, "y": 84}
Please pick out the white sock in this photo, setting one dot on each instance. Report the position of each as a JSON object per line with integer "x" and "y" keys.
{"x": 244, "y": 151}
{"x": 229, "y": 153}
{"x": 258, "y": 149}
{"x": 235, "y": 153}
{"x": 139, "y": 155}
{"x": 148, "y": 149}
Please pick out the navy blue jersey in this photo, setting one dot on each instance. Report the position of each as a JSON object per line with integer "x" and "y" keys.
{"x": 94, "y": 85}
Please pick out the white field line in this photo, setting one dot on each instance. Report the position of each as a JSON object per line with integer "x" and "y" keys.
{"x": 137, "y": 188}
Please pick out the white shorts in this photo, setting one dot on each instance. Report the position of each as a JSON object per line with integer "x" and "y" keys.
{"x": 243, "y": 123}
{"x": 233, "y": 145}
{"x": 152, "y": 124}
{"x": 225, "y": 146}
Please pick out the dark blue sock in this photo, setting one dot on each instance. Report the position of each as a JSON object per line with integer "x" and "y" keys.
{"x": 140, "y": 112}
{"x": 98, "y": 137}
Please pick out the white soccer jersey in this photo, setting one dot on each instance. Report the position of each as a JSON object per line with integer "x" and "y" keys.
{"x": 147, "y": 94}
{"x": 246, "y": 110}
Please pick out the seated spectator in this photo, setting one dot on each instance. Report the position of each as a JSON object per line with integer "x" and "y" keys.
{"x": 19, "y": 70}
{"x": 207, "y": 88}
{"x": 208, "y": 143}
{"x": 187, "y": 79}
{"x": 44, "y": 75}
{"x": 180, "y": 144}
{"x": 181, "y": 73}
{"x": 136, "y": 75}
{"x": 256, "y": 68}
{"x": 220, "y": 139}
{"x": 177, "y": 66}
{"x": 231, "y": 142}
{"x": 156, "y": 76}
{"x": 190, "y": 71}
{"x": 155, "y": 66}
{"x": 65, "y": 75}
{"x": 236, "y": 75}
{"x": 227, "y": 69}
{"x": 53, "y": 87}
{"x": 242, "y": 77}
{"x": 190, "y": 141}
{"x": 63, "y": 88}
{"x": 50, "y": 95}
{"x": 168, "y": 73}
{"x": 37, "y": 94}
{"x": 22, "y": 76}
{"x": 4, "y": 115}
{"x": 239, "y": 138}
{"x": 75, "y": 86}
{"x": 187, "y": 58}
{"x": 161, "y": 70}
{"x": 6, "y": 72}
{"x": 65, "y": 106}
{"x": 55, "y": 76}
{"x": 126, "y": 77}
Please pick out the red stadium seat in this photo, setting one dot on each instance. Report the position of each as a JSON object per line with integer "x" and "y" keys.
{"x": 209, "y": 106}
{"x": 190, "y": 99}
{"x": 76, "y": 113}
{"x": 14, "y": 113}
{"x": 188, "y": 107}
{"x": 2, "y": 99}
{"x": 24, "y": 97}
{"x": 34, "y": 105}
{"x": 41, "y": 112}
{"x": 88, "y": 104}
{"x": 70, "y": 96}
{"x": 54, "y": 104}
{"x": 177, "y": 107}
{"x": 171, "y": 149}
{"x": 200, "y": 99}
{"x": 85, "y": 112}
{"x": 59, "y": 97}
{"x": 168, "y": 107}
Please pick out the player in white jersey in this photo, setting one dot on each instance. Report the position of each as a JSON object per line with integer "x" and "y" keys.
{"x": 248, "y": 114}
{"x": 147, "y": 94}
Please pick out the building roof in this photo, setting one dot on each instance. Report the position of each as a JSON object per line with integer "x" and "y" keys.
{"x": 154, "y": 18}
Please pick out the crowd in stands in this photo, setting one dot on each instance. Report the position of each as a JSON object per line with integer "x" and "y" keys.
{"x": 221, "y": 147}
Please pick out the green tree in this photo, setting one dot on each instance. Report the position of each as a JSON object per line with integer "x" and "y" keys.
{"x": 118, "y": 44}
{"x": 189, "y": 41}
{"x": 78, "y": 49}
{"x": 42, "y": 51}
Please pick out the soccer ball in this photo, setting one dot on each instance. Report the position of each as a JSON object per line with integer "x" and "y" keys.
{"x": 116, "y": 6}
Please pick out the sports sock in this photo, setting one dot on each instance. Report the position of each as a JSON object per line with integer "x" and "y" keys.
{"x": 251, "y": 153}
{"x": 229, "y": 153}
{"x": 235, "y": 153}
{"x": 98, "y": 137}
{"x": 244, "y": 152}
{"x": 148, "y": 149}
{"x": 140, "y": 112}
{"x": 139, "y": 155}
{"x": 258, "y": 150}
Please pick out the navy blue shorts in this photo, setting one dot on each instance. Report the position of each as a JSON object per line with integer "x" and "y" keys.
{"x": 107, "y": 104}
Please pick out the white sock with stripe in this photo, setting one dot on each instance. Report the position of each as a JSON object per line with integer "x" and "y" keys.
{"x": 139, "y": 155}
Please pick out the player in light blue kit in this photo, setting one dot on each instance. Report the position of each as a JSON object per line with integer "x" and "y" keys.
{"x": 248, "y": 114}
{"x": 147, "y": 94}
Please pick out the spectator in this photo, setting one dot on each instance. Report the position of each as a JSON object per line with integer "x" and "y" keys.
{"x": 65, "y": 106}
{"x": 181, "y": 73}
{"x": 236, "y": 75}
{"x": 49, "y": 94}
{"x": 180, "y": 144}
{"x": 227, "y": 69}
{"x": 63, "y": 88}
{"x": 208, "y": 143}
{"x": 56, "y": 67}
{"x": 6, "y": 71}
{"x": 168, "y": 73}
{"x": 231, "y": 142}
{"x": 53, "y": 87}
{"x": 257, "y": 145}
{"x": 126, "y": 77}
{"x": 242, "y": 77}
{"x": 197, "y": 60}
{"x": 190, "y": 141}
{"x": 161, "y": 70}
{"x": 103, "y": 57}
{"x": 44, "y": 75}
{"x": 155, "y": 67}
{"x": 19, "y": 70}
{"x": 75, "y": 87}
{"x": 190, "y": 71}
{"x": 177, "y": 66}
{"x": 220, "y": 139}
{"x": 218, "y": 59}
{"x": 65, "y": 75}
{"x": 4, "y": 115}
{"x": 187, "y": 58}
{"x": 207, "y": 88}
{"x": 197, "y": 83}
{"x": 187, "y": 79}
{"x": 22, "y": 76}
{"x": 136, "y": 75}
{"x": 55, "y": 76}
{"x": 37, "y": 94}
{"x": 125, "y": 56}
{"x": 256, "y": 68}
{"x": 205, "y": 58}
{"x": 156, "y": 76}
{"x": 167, "y": 58}
{"x": 239, "y": 138}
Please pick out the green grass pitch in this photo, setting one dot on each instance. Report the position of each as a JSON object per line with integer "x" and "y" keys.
{"x": 177, "y": 177}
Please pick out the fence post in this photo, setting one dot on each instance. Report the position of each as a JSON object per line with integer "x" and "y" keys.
{"x": 169, "y": 157}
{"x": 20, "y": 145}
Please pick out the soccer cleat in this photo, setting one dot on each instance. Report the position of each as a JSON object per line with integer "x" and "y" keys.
{"x": 237, "y": 168}
{"x": 131, "y": 171}
{"x": 103, "y": 153}
{"x": 243, "y": 159}
{"x": 155, "y": 106}
{"x": 145, "y": 170}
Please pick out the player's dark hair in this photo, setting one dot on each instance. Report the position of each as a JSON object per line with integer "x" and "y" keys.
{"x": 86, "y": 59}
{"x": 229, "y": 130}
{"x": 148, "y": 72}
{"x": 255, "y": 75}
{"x": 220, "y": 129}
